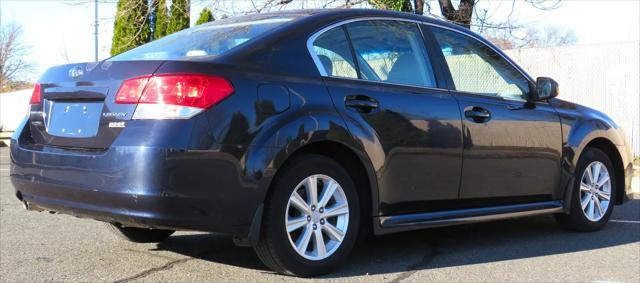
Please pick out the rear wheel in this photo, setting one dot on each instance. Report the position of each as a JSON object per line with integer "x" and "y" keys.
{"x": 311, "y": 218}
{"x": 593, "y": 193}
{"x": 139, "y": 235}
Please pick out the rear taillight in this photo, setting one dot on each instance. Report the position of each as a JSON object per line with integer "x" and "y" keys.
{"x": 173, "y": 96}
{"x": 36, "y": 96}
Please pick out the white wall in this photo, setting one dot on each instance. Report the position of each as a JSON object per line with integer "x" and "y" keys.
{"x": 13, "y": 108}
{"x": 605, "y": 77}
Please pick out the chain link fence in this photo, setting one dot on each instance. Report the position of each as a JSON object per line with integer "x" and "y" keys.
{"x": 605, "y": 77}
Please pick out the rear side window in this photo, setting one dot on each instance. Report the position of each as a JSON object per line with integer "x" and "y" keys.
{"x": 203, "y": 40}
{"x": 334, "y": 55}
{"x": 478, "y": 69}
{"x": 391, "y": 51}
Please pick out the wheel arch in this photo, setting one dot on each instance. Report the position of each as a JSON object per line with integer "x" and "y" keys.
{"x": 614, "y": 155}
{"x": 323, "y": 133}
{"x": 352, "y": 162}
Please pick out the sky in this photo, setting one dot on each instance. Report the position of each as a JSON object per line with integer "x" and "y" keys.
{"x": 62, "y": 31}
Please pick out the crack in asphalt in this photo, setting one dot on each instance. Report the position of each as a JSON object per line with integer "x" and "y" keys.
{"x": 163, "y": 267}
{"x": 151, "y": 254}
{"x": 427, "y": 258}
{"x": 150, "y": 271}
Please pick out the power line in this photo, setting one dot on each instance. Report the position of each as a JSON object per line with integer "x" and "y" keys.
{"x": 95, "y": 29}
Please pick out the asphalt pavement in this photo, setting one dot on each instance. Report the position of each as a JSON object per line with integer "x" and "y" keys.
{"x": 37, "y": 246}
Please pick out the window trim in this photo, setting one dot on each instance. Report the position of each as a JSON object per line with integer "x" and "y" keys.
{"x": 323, "y": 72}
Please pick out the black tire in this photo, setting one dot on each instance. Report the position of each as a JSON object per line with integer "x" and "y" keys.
{"x": 576, "y": 220}
{"x": 274, "y": 247}
{"x": 139, "y": 235}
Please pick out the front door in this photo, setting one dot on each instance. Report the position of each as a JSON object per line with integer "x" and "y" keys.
{"x": 512, "y": 146}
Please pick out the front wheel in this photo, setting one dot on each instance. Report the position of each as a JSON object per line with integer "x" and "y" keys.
{"x": 311, "y": 218}
{"x": 593, "y": 192}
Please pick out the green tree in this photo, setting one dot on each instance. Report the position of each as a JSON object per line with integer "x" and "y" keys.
{"x": 179, "y": 16}
{"x": 205, "y": 16}
{"x": 397, "y": 5}
{"x": 161, "y": 18}
{"x": 131, "y": 26}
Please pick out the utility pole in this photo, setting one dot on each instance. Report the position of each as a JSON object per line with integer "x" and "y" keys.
{"x": 95, "y": 27}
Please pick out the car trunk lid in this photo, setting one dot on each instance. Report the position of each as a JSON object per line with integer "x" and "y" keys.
{"x": 77, "y": 107}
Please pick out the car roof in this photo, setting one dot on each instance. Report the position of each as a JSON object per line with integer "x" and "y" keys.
{"x": 343, "y": 14}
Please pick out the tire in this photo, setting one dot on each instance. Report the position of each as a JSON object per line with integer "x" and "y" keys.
{"x": 276, "y": 245}
{"x": 139, "y": 235}
{"x": 578, "y": 218}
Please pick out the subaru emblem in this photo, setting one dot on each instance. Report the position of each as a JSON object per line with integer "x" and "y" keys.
{"x": 76, "y": 72}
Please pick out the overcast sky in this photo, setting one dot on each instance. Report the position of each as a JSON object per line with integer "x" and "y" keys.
{"x": 58, "y": 29}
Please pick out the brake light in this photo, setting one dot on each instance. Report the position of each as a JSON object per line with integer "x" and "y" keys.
{"x": 173, "y": 96}
{"x": 36, "y": 96}
{"x": 130, "y": 91}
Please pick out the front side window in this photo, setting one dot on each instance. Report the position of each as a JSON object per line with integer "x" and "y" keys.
{"x": 333, "y": 53}
{"x": 391, "y": 51}
{"x": 476, "y": 68}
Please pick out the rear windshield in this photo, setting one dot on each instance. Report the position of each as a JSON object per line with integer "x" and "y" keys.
{"x": 204, "y": 40}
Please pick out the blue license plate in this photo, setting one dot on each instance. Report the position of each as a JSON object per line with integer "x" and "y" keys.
{"x": 73, "y": 119}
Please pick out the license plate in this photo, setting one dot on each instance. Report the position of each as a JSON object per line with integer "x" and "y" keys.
{"x": 73, "y": 119}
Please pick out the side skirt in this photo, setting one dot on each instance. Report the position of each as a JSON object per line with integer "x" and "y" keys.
{"x": 407, "y": 222}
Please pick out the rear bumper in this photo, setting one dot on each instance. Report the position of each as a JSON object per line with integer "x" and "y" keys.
{"x": 128, "y": 209}
{"x": 139, "y": 186}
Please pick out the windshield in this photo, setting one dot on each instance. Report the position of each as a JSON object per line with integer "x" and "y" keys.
{"x": 203, "y": 40}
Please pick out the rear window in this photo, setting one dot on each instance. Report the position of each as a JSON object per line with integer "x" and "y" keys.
{"x": 203, "y": 40}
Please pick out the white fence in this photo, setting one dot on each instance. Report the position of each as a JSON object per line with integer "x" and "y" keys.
{"x": 13, "y": 108}
{"x": 605, "y": 77}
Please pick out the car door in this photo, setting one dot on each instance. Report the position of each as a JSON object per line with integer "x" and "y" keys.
{"x": 383, "y": 84}
{"x": 512, "y": 146}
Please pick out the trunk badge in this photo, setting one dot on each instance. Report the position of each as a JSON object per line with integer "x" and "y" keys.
{"x": 76, "y": 72}
{"x": 116, "y": 124}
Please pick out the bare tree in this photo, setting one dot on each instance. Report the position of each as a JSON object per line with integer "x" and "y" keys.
{"x": 13, "y": 53}
{"x": 547, "y": 36}
{"x": 461, "y": 15}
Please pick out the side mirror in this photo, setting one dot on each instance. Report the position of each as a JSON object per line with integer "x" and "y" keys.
{"x": 545, "y": 88}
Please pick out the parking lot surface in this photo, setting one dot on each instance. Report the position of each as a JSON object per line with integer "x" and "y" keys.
{"x": 38, "y": 247}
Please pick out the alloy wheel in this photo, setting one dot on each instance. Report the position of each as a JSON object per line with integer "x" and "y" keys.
{"x": 317, "y": 217}
{"x": 595, "y": 191}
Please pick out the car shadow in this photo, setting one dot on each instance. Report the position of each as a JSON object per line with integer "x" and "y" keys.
{"x": 438, "y": 247}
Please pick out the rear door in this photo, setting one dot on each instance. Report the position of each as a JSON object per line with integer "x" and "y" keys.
{"x": 512, "y": 146}
{"x": 384, "y": 81}
{"x": 78, "y": 108}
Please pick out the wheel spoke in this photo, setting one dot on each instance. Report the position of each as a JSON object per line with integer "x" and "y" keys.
{"x": 300, "y": 203}
{"x": 295, "y": 223}
{"x": 336, "y": 210}
{"x": 584, "y": 187}
{"x": 312, "y": 190}
{"x": 303, "y": 241}
{"x": 585, "y": 201}
{"x": 603, "y": 195}
{"x": 599, "y": 206}
{"x": 320, "y": 248}
{"x": 591, "y": 209}
{"x": 603, "y": 180}
{"x": 333, "y": 232}
{"x": 596, "y": 173}
{"x": 329, "y": 188}
{"x": 589, "y": 176}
